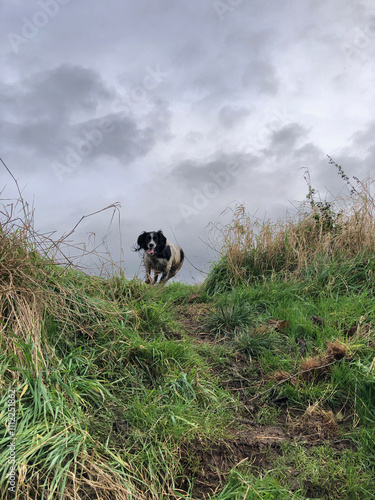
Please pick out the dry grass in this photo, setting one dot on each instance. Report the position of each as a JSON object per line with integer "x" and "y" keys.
{"x": 37, "y": 275}
{"x": 89, "y": 478}
{"x": 341, "y": 229}
{"x": 22, "y": 297}
{"x": 317, "y": 367}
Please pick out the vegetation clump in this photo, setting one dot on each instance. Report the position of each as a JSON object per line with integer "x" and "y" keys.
{"x": 323, "y": 238}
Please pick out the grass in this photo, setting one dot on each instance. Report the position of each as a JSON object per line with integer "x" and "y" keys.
{"x": 258, "y": 384}
{"x": 104, "y": 400}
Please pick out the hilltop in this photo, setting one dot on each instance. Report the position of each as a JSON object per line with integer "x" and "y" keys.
{"x": 259, "y": 383}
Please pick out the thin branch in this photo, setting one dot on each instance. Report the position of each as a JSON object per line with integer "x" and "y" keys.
{"x": 115, "y": 206}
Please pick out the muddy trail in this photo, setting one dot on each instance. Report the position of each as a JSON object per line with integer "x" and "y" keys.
{"x": 249, "y": 441}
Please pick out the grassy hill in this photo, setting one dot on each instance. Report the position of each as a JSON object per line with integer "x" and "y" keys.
{"x": 259, "y": 384}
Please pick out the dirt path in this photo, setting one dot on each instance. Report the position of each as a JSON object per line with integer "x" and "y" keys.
{"x": 249, "y": 442}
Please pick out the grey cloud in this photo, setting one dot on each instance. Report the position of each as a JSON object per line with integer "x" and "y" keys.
{"x": 261, "y": 76}
{"x": 41, "y": 137}
{"x": 115, "y": 136}
{"x": 194, "y": 137}
{"x": 62, "y": 92}
{"x": 358, "y": 157}
{"x": 365, "y": 138}
{"x": 122, "y": 137}
{"x": 286, "y": 138}
{"x": 194, "y": 174}
{"x": 39, "y": 114}
{"x": 159, "y": 118}
{"x": 46, "y": 117}
{"x": 308, "y": 152}
{"x": 230, "y": 116}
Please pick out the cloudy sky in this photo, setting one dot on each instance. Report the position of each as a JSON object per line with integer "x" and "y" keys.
{"x": 180, "y": 109}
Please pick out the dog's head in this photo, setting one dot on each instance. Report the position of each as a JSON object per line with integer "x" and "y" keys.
{"x": 152, "y": 242}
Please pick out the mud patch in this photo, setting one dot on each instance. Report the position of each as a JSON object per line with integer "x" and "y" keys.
{"x": 209, "y": 463}
{"x": 191, "y": 319}
{"x": 315, "y": 425}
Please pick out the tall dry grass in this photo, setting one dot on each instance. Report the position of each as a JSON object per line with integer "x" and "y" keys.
{"x": 33, "y": 285}
{"x": 41, "y": 289}
{"x": 38, "y": 275}
{"x": 318, "y": 231}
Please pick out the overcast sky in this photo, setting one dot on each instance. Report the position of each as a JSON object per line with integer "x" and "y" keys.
{"x": 180, "y": 109}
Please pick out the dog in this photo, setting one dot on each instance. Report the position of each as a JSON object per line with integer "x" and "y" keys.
{"x": 160, "y": 256}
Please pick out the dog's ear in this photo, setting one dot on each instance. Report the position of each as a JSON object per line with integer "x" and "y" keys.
{"x": 162, "y": 239}
{"x": 141, "y": 241}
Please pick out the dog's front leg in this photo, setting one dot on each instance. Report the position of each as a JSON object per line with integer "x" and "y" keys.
{"x": 156, "y": 276}
{"x": 166, "y": 274}
{"x": 164, "y": 278}
{"x": 148, "y": 274}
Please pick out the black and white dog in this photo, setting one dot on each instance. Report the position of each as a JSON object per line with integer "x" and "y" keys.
{"x": 160, "y": 256}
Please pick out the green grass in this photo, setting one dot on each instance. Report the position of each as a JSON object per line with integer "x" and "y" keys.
{"x": 114, "y": 396}
{"x": 258, "y": 384}
{"x": 125, "y": 394}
